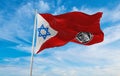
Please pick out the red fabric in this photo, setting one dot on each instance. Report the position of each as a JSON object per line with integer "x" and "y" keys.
{"x": 69, "y": 25}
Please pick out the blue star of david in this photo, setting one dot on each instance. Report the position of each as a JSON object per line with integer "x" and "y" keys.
{"x": 43, "y": 32}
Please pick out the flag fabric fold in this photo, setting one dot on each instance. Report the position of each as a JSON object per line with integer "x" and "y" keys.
{"x": 57, "y": 30}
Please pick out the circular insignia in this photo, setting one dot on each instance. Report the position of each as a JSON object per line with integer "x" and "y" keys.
{"x": 84, "y": 37}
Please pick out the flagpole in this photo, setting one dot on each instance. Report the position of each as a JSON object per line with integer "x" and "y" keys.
{"x": 33, "y": 43}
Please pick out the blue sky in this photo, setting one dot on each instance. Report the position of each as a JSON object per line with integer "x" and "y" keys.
{"x": 16, "y": 22}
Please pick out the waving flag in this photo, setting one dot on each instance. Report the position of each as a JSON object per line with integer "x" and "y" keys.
{"x": 57, "y": 30}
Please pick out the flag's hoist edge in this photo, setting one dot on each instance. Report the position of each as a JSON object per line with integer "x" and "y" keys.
{"x": 41, "y": 22}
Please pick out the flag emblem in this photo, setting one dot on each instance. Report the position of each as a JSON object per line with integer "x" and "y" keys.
{"x": 84, "y": 37}
{"x": 43, "y": 32}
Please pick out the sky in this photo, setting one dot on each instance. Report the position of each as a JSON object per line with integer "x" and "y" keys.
{"x": 16, "y": 30}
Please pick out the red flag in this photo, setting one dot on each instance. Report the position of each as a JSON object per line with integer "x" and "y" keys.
{"x": 57, "y": 30}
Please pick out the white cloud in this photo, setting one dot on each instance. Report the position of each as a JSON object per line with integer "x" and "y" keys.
{"x": 98, "y": 62}
{"x": 112, "y": 15}
{"x": 75, "y": 9}
{"x": 15, "y": 27}
{"x": 112, "y": 34}
{"x": 43, "y": 6}
{"x": 85, "y": 10}
{"x": 13, "y": 71}
{"x": 60, "y": 10}
{"x": 71, "y": 71}
{"x": 24, "y": 48}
